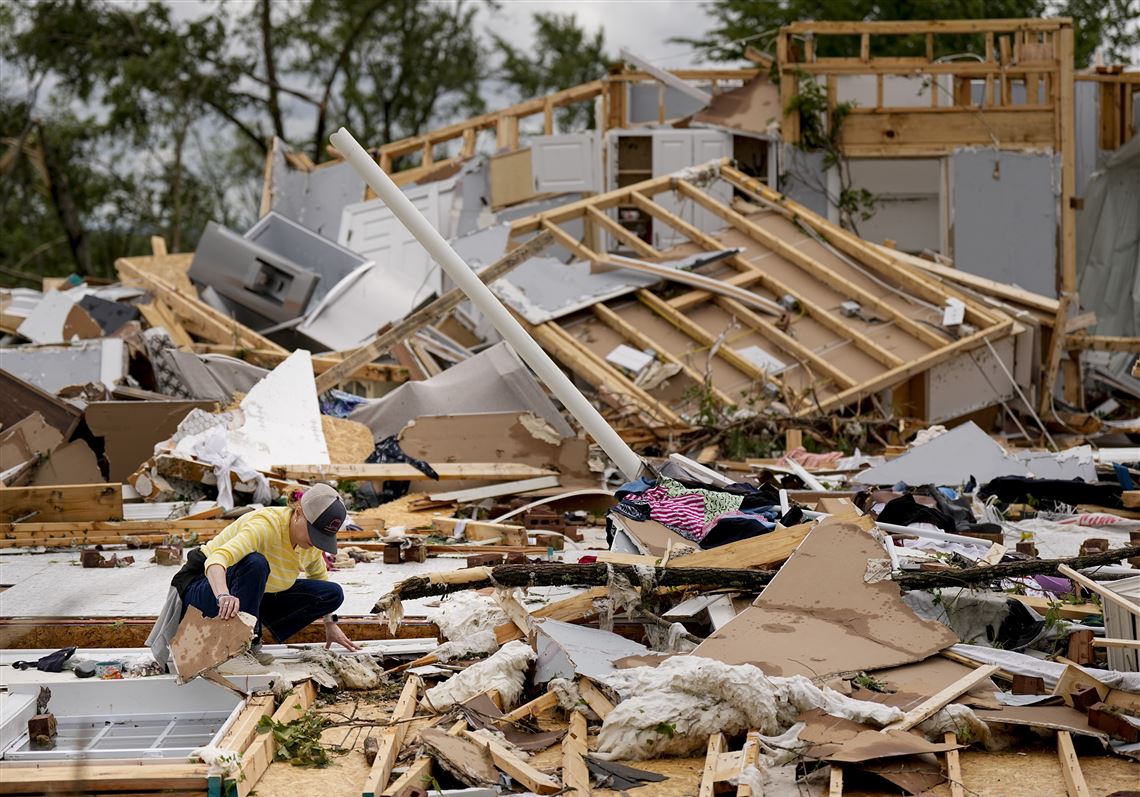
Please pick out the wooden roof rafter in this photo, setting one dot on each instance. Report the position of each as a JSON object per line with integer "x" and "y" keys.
{"x": 830, "y": 266}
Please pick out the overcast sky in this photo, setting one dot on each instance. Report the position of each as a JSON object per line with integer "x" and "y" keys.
{"x": 643, "y": 26}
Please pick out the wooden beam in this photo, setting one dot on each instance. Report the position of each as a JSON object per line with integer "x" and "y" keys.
{"x": 392, "y": 739}
{"x": 643, "y": 341}
{"x": 1107, "y": 595}
{"x": 884, "y": 264}
{"x": 621, "y": 233}
{"x": 1099, "y": 642}
{"x": 101, "y": 778}
{"x": 566, "y": 240}
{"x": 573, "y": 210}
{"x": 244, "y": 729}
{"x": 1075, "y": 785}
{"x": 1102, "y": 343}
{"x": 199, "y": 318}
{"x": 529, "y": 777}
{"x": 594, "y": 697}
{"x": 545, "y": 702}
{"x": 158, "y": 314}
{"x": 827, "y": 276}
{"x": 575, "y": 775}
{"x": 705, "y": 338}
{"x": 764, "y": 551}
{"x": 954, "y": 767}
{"x": 715, "y": 748}
{"x": 64, "y": 502}
{"x": 602, "y": 375}
{"x": 807, "y": 357}
{"x": 482, "y": 471}
{"x": 259, "y": 755}
{"x": 835, "y": 782}
{"x": 935, "y": 703}
{"x": 908, "y": 27}
{"x": 897, "y": 375}
{"x": 372, "y": 372}
{"x": 426, "y": 315}
{"x": 749, "y": 755}
{"x": 753, "y": 274}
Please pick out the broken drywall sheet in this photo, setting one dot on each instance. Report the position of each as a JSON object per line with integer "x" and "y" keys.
{"x": 31, "y": 437}
{"x": 1072, "y": 463}
{"x": 1017, "y": 248}
{"x": 58, "y": 319}
{"x": 202, "y": 643}
{"x": 566, "y": 650}
{"x": 523, "y": 438}
{"x": 279, "y": 423}
{"x": 313, "y": 197}
{"x": 495, "y": 380}
{"x": 839, "y": 740}
{"x": 102, "y": 361}
{"x": 948, "y": 460}
{"x": 754, "y": 108}
{"x": 468, "y": 761}
{"x": 282, "y": 418}
{"x": 819, "y": 616}
{"x": 131, "y": 429}
{"x": 73, "y": 463}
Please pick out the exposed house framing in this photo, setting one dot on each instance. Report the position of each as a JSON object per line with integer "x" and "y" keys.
{"x": 832, "y": 360}
{"x": 505, "y": 121}
{"x": 1033, "y": 56}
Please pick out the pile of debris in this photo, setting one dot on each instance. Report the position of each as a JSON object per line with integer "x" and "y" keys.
{"x": 886, "y": 599}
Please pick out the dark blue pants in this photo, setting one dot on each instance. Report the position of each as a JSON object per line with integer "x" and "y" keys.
{"x": 283, "y": 613}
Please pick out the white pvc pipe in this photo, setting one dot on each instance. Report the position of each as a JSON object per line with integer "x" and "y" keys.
{"x": 481, "y": 296}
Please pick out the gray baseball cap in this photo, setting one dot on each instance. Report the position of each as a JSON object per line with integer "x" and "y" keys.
{"x": 325, "y": 513}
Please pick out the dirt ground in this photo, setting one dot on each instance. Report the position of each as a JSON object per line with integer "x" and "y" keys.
{"x": 1028, "y": 772}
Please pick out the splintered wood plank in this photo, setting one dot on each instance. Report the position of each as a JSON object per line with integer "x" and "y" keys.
{"x": 712, "y": 757}
{"x": 392, "y": 738}
{"x": 835, "y": 784}
{"x": 576, "y": 607}
{"x": 954, "y": 767}
{"x": 748, "y": 758}
{"x": 480, "y": 471}
{"x": 1075, "y": 785}
{"x": 531, "y": 778}
{"x": 261, "y": 752}
{"x": 932, "y": 705}
{"x": 244, "y": 730}
{"x": 575, "y": 775}
{"x": 64, "y": 502}
{"x": 594, "y": 697}
{"x": 1104, "y": 592}
{"x": 541, "y": 704}
{"x": 418, "y": 773}
{"x": 766, "y": 550}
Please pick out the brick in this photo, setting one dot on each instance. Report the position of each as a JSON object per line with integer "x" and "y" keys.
{"x": 1028, "y": 685}
{"x": 1103, "y": 718}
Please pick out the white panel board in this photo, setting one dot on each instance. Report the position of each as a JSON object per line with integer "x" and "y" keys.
{"x": 565, "y": 163}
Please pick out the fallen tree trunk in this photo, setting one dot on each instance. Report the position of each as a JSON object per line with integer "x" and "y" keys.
{"x": 549, "y": 575}
{"x": 567, "y": 575}
{"x": 1030, "y": 567}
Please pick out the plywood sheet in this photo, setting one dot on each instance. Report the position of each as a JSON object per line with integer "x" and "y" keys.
{"x": 820, "y": 617}
{"x": 511, "y": 178}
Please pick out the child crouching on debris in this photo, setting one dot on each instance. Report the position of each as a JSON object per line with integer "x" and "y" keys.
{"x": 252, "y": 566}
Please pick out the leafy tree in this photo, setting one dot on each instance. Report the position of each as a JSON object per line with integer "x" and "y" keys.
{"x": 148, "y": 123}
{"x": 563, "y": 55}
{"x": 1111, "y": 23}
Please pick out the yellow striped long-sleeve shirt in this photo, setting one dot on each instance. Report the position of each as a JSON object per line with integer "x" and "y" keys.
{"x": 266, "y": 531}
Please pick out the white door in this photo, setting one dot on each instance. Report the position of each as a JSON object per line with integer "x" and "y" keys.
{"x": 710, "y": 145}
{"x": 408, "y": 272}
{"x": 672, "y": 151}
{"x": 566, "y": 163}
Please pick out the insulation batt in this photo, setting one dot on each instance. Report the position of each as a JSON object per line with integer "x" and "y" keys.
{"x": 673, "y": 708}
{"x": 505, "y": 671}
{"x": 467, "y": 613}
{"x": 480, "y": 643}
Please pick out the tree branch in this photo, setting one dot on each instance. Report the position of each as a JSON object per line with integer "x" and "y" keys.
{"x": 1030, "y": 567}
{"x": 270, "y": 68}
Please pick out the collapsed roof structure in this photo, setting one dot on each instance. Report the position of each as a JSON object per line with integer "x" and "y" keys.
{"x": 775, "y": 622}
